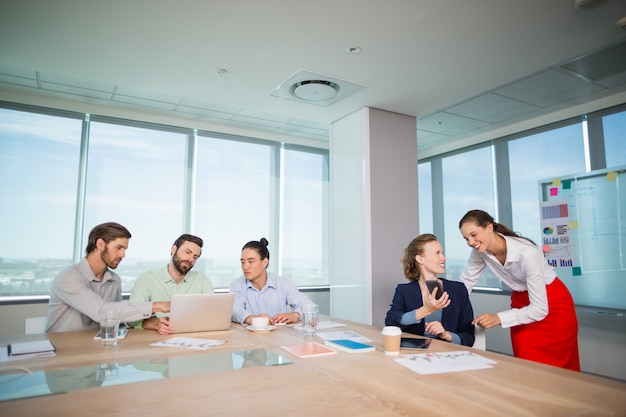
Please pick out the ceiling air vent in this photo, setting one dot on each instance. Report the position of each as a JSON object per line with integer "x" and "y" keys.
{"x": 309, "y": 87}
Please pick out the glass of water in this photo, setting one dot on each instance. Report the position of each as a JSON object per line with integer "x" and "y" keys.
{"x": 309, "y": 319}
{"x": 109, "y": 326}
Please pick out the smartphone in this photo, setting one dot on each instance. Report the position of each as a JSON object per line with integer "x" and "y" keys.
{"x": 432, "y": 284}
{"x": 414, "y": 343}
{"x": 121, "y": 333}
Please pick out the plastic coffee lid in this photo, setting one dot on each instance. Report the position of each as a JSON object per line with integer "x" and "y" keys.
{"x": 391, "y": 331}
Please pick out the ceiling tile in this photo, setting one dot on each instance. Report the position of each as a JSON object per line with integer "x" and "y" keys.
{"x": 144, "y": 102}
{"x": 16, "y": 80}
{"x": 308, "y": 123}
{"x": 256, "y": 121}
{"x": 584, "y": 90}
{"x": 142, "y": 95}
{"x": 76, "y": 91}
{"x": 264, "y": 116}
{"x": 540, "y": 86}
{"x": 470, "y": 127}
{"x": 203, "y": 112}
{"x": 77, "y": 84}
{"x": 483, "y": 106}
{"x": 209, "y": 106}
{"x": 441, "y": 122}
{"x": 526, "y": 109}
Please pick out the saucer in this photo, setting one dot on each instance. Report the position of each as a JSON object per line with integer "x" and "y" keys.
{"x": 267, "y": 329}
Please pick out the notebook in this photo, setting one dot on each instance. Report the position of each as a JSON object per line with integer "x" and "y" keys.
{"x": 309, "y": 350}
{"x": 201, "y": 312}
{"x": 350, "y": 346}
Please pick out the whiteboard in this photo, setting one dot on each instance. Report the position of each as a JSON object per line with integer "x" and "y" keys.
{"x": 591, "y": 258}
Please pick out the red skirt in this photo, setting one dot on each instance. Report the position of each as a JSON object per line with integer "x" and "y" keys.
{"x": 553, "y": 340}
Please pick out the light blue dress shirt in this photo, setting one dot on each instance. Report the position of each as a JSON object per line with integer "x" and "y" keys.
{"x": 279, "y": 295}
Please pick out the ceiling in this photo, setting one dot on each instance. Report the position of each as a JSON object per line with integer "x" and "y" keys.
{"x": 462, "y": 67}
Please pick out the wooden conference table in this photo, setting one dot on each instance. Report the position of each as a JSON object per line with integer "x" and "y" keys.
{"x": 345, "y": 384}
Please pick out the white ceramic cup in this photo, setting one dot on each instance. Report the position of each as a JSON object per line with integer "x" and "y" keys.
{"x": 260, "y": 323}
{"x": 391, "y": 340}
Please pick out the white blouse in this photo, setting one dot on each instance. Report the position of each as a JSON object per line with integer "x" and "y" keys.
{"x": 525, "y": 269}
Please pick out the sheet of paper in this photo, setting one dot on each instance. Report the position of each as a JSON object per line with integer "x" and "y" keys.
{"x": 189, "y": 343}
{"x": 349, "y": 335}
{"x": 436, "y": 363}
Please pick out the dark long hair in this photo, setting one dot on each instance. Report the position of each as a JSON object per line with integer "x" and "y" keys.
{"x": 482, "y": 219}
{"x": 416, "y": 247}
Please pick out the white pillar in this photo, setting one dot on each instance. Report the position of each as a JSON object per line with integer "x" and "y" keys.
{"x": 373, "y": 177}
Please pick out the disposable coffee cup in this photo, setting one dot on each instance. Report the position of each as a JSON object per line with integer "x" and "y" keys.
{"x": 391, "y": 340}
{"x": 260, "y": 323}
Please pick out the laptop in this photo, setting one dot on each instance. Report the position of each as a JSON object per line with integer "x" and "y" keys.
{"x": 201, "y": 312}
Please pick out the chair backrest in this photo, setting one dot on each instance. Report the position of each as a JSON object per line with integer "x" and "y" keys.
{"x": 480, "y": 341}
{"x": 35, "y": 325}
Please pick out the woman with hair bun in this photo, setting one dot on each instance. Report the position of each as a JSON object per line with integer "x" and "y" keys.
{"x": 542, "y": 317}
{"x": 261, "y": 293}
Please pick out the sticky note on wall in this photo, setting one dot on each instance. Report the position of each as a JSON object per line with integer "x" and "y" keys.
{"x": 611, "y": 176}
{"x": 556, "y": 182}
{"x": 554, "y": 192}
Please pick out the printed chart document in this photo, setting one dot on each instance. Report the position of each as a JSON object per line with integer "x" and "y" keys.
{"x": 437, "y": 363}
{"x": 189, "y": 343}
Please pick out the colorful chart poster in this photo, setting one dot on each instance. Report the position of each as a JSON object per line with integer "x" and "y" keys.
{"x": 557, "y": 244}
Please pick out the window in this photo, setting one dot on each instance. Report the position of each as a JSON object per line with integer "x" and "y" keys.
{"x": 39, "y": 157}
{"x": 235, "y": 186}
{"x": 136, "y": 177}
{"x": 468, "y": 184}
{"x": 614, "y": 142}
{"x": 159, "y": 182}
{"x": 305, "y": 217}
{"x": 425, "y": 198}
{"x": 543, "y": 155}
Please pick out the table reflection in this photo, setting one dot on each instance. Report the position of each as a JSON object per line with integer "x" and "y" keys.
{"x": 24, "y": 385}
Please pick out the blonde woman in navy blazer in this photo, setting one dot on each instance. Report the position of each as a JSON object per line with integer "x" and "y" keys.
{"x": 417, "y": 311}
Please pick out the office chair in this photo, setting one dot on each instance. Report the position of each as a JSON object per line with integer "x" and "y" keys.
{"x": 480, "y": 341}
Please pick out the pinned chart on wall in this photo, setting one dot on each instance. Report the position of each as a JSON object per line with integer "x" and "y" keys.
{"x": 583, "y": 230}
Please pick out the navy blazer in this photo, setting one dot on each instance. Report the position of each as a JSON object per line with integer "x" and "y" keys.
{"x": 457, "y": 317}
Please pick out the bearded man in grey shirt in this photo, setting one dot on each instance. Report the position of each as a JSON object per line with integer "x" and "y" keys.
{"x": 81, "y": 291}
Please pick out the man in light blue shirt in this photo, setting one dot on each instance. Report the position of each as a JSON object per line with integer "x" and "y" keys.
{"x": 262, "y": 293}
{"x": 175, "y": 278}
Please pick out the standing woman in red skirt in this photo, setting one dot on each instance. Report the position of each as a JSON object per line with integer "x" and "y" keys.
{"x": 542, "y": 317}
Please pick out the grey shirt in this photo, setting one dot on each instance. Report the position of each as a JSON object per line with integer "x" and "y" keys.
{"x": 77, "y": 297}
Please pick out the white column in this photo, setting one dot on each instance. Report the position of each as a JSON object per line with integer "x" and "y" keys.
{"x": 373, "y": 177}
